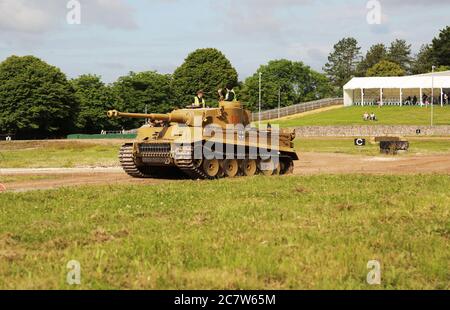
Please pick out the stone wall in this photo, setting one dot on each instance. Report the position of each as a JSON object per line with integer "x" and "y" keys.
{"x": 368, "y": 131}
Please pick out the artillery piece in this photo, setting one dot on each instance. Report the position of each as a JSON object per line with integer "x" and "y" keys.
{"x": 206, "y": 143}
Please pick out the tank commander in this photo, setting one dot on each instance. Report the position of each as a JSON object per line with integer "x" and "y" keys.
{"x": 230, "y": 95}
{"x": 199, "y": 99}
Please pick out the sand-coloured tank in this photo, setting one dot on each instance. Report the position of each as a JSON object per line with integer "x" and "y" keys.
{"x": 206, "y": 143}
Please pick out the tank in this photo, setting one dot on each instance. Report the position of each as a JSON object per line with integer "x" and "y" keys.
{"x": 206, "y": 143}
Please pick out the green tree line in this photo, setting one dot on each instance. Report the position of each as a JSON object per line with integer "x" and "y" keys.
{"x": 37, "y": 100}
{"x": 346, "y": 60}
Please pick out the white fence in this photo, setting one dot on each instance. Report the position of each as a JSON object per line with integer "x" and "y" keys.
{"x": 297, "y": 108}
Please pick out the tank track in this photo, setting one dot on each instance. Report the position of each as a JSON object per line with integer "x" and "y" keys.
{"x": 188, "y": 167}
{"x": 129, "y": 165}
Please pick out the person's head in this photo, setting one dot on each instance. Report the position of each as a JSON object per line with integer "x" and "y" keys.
{"x": 200, "y": 93}
{"x": 229, "y": 86}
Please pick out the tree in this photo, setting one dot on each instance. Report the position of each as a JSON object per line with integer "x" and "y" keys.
{"x": 441, "y": 48}
{"x": 206, "y": 69}
{"x": 94, "y": 99}
{"x": 423, "y": 61}
{"x": 386, "y": 68}
{"x": 400, "y": 53}
{"x": 297, "y": 83}
{"x": 442, "y": 68}
{"x": 138, "y": 91}
{"x": 36, "y": 100}
{"x": 342, "y": 63}
{"x": 374, "y": 55}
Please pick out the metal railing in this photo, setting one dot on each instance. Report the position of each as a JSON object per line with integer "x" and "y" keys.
{"x": 297, "y": 108}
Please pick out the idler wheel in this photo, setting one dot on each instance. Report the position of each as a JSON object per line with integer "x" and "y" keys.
{"x": 287, "y": 166}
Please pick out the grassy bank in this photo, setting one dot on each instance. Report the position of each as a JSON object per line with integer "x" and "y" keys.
{"x": 346, "y": 146}
{"x": 66, "y": 154}
{"x": 283, "y": 232}
{"x": 386, "y": 116}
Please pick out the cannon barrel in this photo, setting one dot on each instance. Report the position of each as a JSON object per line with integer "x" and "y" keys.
{"x": 175, "y": 117}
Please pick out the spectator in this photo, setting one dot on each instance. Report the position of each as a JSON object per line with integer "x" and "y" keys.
{"x": 445, "y": 98}
{"x": 414, "y": 101}
{"x": 424, "y": 100}
{"x": 366, "y": 116}
{"x": 408, "y": 100}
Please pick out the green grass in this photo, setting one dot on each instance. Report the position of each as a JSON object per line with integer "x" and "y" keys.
{"x": 346, "y": 146}
{"x": 49, "y": 154}
{"x": 386, "y": 116}
{"x": 314, "y": 232}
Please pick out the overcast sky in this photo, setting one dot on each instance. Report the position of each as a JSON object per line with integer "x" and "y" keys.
{"x": 118, "y": 36}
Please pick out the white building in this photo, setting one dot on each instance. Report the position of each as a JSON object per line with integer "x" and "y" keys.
{"x": 397, "y": 90}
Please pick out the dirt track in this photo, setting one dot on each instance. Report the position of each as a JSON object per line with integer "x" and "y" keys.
{"x": 310, "y": 164}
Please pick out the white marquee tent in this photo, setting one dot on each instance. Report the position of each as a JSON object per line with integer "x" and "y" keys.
{"x": 397, "y": 90}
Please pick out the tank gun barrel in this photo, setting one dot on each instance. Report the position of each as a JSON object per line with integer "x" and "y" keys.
{"x": 153, "y": 117}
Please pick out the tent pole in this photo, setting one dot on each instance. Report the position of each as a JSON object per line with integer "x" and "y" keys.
{"x": 401, "y": 97}
{"x": 362, "y": 96}
{"x": 421, "y": 98}
{"x": 381, "y": 97}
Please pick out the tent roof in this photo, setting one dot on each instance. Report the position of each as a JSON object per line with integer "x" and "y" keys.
{"x": 441, "y": 80}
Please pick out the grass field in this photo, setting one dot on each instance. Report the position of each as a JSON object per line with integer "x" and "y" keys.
{"x": 66, "y": 154}
{"x": 386, "y": 116}
{"x": 265, "y": 233}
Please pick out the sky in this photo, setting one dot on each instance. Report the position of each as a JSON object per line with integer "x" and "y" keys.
{"x": 115, "y": 37}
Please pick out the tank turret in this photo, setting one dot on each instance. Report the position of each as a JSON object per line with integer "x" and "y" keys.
{"x": 227, "y": 113}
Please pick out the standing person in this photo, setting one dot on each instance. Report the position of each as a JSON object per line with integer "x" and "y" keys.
{"x": 199, "y": 100}
{"x": 221, "y": 94}
{"x": 408, "y": 100}
{"x": 424, "y": 99}
{"x": 445, "y": 98}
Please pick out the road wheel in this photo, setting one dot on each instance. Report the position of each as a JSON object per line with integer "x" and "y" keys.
{"x": 211, "y": 168}
{"x": 249, "y": 167}
{"x": 230, "y": 167}
{"x": 267, "y": 167}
